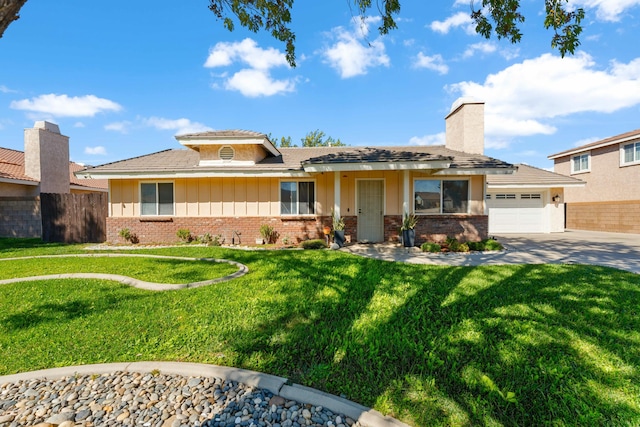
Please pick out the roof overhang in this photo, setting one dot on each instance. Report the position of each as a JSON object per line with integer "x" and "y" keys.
{"x": 195, "y": 141}
{"x": 169, "y": 174}
{"x": 19, "y": 181}
{"x": 583, "y": 148}
{"x": 374, "y": 166}
{"x": 541, "y": 186}
{"x": 477, "y": 171}
{"x": 83, "y": 188}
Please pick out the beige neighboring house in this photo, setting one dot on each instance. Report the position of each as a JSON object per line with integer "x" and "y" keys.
{"x": 229, "y": 183}
{"x": 529, "y": 201}
{"x": 43, "y": 167}
{"x": 610, "y": 200}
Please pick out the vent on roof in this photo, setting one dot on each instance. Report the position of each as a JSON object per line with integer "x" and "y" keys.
{"x": 226, "y": 153}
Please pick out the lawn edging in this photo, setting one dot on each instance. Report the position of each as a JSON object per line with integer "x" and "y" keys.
{"x": 279, "y": 386}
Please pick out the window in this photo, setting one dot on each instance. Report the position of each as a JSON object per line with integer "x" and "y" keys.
{"x": 156, "y": 198}
{"x": 441, "y": 196}
{"x": 631, "y": 153}
{"x": 580, "y": 163}
{"x": 297, "y": 198}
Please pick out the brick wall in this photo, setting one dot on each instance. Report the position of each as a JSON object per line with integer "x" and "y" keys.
{"x": 163, "y": 230}
{"x": 615, "y": 217}
{"x": 295, "y": 230}
{"x": 20, "y": 217}
{"x": 465, "y": 228}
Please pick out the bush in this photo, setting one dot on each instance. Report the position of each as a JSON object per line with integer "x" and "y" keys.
{"x": 209, "y": 240}
{"x": 313, "y": 244}
{"x": 463, "y": 247}
{"x": 492, "y": 245}
{"x": 128, "y": 236}
{"x": 267, "y": 232}
{"x": 185, "y": 235}
{"x": 431, "y": 247}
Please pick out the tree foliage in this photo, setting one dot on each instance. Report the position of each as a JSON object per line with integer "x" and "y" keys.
{"x": 317, "y": 138}
{"x": 499, "y": 17}
{"x": 9, "y": 12}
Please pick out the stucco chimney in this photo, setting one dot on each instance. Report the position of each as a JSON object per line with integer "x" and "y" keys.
{"x": 46, "y": 157}
{"x": 465, "y": 126}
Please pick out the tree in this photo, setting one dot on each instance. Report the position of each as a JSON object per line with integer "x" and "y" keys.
{"x": 316, "y": 139}
{"x": 501, "y": 17}
{"x": 491, "y": 16}
{"x": 282, "y": 142}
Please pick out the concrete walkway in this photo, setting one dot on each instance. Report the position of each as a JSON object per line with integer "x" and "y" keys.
{"x": 615, "y": 250}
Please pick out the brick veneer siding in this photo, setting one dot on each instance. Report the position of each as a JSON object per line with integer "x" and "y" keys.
{"x": 163, "y": 230}
{"x": 615, "y": 217}
{"x": 20, "y": 217}
{"x": 465, "y": 228}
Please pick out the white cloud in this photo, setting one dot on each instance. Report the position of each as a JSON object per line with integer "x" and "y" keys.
{"x": 65, "y": 106}
{"x": 96, "y": 151}
{"x": 181, "y": 126}
{"x": 606, "y": 10}
{"x": 482, "y": 47}
{"x": 256, "y": 80}
{"x": 522, "y": 99}
{"x": 460, "y": 19}
{"x": 435, "y": 139}
{"x": 254, "y": 83}
{"x": 78, "y": 125}
{"x": 122, "y": 127}
{"x": 5, "y": 89}
{"x": 434, "y": 62}
{"x": 351, "y": 55}
{"x": 586, "y": 141}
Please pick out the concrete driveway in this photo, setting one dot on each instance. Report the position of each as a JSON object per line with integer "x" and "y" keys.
{"x": 615, "y": 250}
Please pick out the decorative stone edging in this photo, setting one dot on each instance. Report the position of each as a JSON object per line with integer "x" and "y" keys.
{"x": 151, "y": 286}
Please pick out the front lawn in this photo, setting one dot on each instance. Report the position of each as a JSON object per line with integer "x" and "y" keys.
{"x": 429, "y": 345}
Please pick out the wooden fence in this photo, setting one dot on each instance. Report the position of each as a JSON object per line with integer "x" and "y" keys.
{"x": 74, "y": 218}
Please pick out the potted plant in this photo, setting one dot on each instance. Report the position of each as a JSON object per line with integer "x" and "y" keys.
{"x": 409, "y": 222}
{"x": 338, "y": 229}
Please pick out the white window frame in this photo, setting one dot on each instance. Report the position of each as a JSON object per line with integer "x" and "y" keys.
{"x": 581, "y": 155}
{"x": 298, "y": 181}
{"x": 173, "y": 195}
{"x": 635, "y": 161}
{"x": 441, "y": 196}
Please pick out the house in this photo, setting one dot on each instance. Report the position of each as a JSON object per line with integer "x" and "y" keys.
{"x": 610, "y": 201}
{"x": 529, "y": 201}
{"x": 43, "y": 167}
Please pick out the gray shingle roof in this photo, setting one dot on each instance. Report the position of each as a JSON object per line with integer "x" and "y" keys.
{"x": 531, "y": 176}
{"x": 602, "y": 143}
{"x": 234, "y": 133}
{"x": 292, "y": 159}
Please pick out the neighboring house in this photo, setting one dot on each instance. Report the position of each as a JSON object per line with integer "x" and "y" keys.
{"x": 231, "y": 182}
{"x": 43, "y": 167}
{"x": 529, "y": 201}
{"x": 610, "y": 201}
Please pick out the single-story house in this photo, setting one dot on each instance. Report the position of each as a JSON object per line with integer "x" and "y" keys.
{"x": 43, "y": 167}
{"x": 229, "y": 183}
{"x": 529, "y": 201}
{"x": 610, "y": 201}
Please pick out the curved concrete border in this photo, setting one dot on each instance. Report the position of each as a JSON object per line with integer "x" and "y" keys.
{"x": 277, "y": 385}
{"x": 150, "y": 286}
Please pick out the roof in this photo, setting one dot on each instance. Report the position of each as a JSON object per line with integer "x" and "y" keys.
{"x": 12, "y": 170}
{"x": 302, "y": 160}
{"x": 234, "y": 133}
{"x": 531, "y": 177}
{"x": 623, "y": 137}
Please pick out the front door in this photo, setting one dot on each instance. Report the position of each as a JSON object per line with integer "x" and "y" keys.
{"x": 371, "y": 211}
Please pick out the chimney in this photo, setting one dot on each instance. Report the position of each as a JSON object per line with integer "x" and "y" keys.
{"x": 465, "y": 126}
{"x": 46, "y": 157}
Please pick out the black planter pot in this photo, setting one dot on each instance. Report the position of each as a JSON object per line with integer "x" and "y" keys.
{"x": 338, "y": 237}
{"x": 409, "y": 238}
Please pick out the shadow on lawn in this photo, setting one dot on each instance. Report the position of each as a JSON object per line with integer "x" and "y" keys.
{"x": 445, "y": 346}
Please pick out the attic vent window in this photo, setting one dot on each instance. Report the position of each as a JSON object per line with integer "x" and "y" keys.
{"x": 227, "y": 153}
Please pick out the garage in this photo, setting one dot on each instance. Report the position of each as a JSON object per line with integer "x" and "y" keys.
{"x": 515, "y": 212}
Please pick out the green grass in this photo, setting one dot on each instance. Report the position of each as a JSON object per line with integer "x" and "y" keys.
{"x": 430, "y": 345}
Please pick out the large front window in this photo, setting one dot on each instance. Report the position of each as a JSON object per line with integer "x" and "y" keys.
{"x": 580, "y": 163}
{"x": 631, "y": 153}
{"x": 434, "y": 196}
{"x": 156, "y": 198}
{"x": 297, "y": 198}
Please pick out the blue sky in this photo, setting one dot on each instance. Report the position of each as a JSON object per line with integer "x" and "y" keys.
{"x": 122, "y": 78}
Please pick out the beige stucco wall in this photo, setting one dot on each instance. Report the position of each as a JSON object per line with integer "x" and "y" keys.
{"x": 225, "y": 197}
{"x": 465, "y": 128}
{"x": 47, "y": 157}
{"x": 607, "y": 181}
{"x": 18, "y": 190}
{"x": 555, "y": 210}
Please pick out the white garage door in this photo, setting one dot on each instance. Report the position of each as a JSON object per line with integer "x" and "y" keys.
{"x": 515, "y": 213}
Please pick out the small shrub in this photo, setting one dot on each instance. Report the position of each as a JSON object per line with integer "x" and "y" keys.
{"x": 217, "y": 240}
{"x": 463, "y": 247}
{"x": 492, "y": 245}
{"x": 185, "y": 235}
{"x": 476, "y": 246}
{"x": 431, "y": 247}
{"x": 313, "y": 244}
{"x": 267, "y": 232}
{"x": 128, "y": 236}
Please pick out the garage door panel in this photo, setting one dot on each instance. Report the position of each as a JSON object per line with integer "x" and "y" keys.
{"x": 515, "y": 215}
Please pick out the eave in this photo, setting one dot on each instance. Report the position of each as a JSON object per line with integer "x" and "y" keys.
{"x": 374, "y": 166}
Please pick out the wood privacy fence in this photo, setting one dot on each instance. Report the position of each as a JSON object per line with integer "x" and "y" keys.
{"x": 74, "y": 218}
